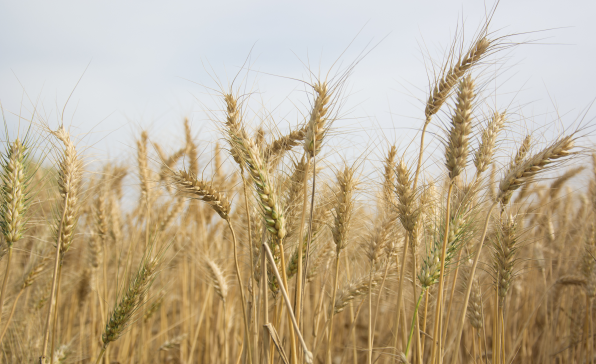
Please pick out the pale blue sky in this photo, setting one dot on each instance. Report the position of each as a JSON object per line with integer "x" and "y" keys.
{"x": 148, "y": 59}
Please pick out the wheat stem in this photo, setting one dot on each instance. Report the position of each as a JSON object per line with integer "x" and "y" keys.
{"x": 468, "y": 291}
{"x": 14, "y": 306}
{"x": 54, "y": 279}
{"x": 241, "y": 286}
{"x": 308, "y": 357}
{"x": 331, "y": 314}
{"x": 436, "y": 348}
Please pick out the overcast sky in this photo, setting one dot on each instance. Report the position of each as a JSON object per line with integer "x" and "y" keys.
{"x": 150, "y": 63}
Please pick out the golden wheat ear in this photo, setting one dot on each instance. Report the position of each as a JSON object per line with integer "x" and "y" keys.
{"x": 128, "y": 306}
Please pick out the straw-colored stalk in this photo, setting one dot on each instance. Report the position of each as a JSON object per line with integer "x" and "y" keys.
{"x": 343, "y": 215}
{"x": 34, "y": 272}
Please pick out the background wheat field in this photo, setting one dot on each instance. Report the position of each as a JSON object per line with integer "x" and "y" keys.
{"x": 305, "y": 232}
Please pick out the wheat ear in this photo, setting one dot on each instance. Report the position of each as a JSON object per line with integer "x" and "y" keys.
{"x": 69, "y": 180}
{"x": 519, "y": 173}
{"x": 408, "y": 216}
{"x": 484, "y": 155}
{"x": 14, "y": 201}
{"x": 456, "y": 155}
{"x": 127, "y": 309}
{"x": 344, "y": 206}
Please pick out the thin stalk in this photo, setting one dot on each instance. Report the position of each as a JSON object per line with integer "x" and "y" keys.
{"x": 266, "y": 337}
{"x": 502, "y": 318}
{"x": 294, "y": 358}
{"x": 198, "y": 329}
{"x": 55, "y": 323}
{"x": 420, "y": 153}
{"x": 370, "y": 334}
{"x": 352, "y": 317}
{"x": 412, "y": 327}
{"x": 402, "y": 271}
{"x": 462, "y": 319}
{"x": 423, "y": 337}
{"x": 241, "y": 286}
{"x": 105, "y": 291}
{"x": 414, "y": 267}
{"x": 12, "y": 310}
{"x": 330, "y": 336}
{"x": 496, "y": 328}
{"x": 5, "y": 280}
{"x": 353, "y": 332}
{"x": 455, "y": 273}
{"x": 379, "y": 300}
{"x": 299, "y": 273}
{"x": 46, "y": 334}
{"x": 103, "y": 350}
{"x": 225, "y": 332}
{"x": 496, "y": 336}
{"x": 307, "y": 354}
{"x": 438, "y": 312}
{"x": 252, "y": 270}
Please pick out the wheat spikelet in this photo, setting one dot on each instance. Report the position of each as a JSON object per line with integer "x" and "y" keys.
{"x": 34, "y": 272}
{"x": 171, "y": 214}
{"x": 323, "y": 257}
{"x": 316, "y": 127}
{"x": 389, "y": 176}
{"x": 143, "y": 165}
{"x": 407, "y": 211}
{"x": 504, "y": 250}
{"x": 234, "y": 128}
{"x": 557, "y": 184}
{"x": 356, "y": 288}
{"x": 443, "y": 87}
{"x": 131, "y": 299}
{"x": 295, "y": 193}
{"x": 168, "y": 165}
{"x": 458, "y": 235}
{"x": 155, "y": 305}
{"x": 484, "y": 155}
{"x": 378, "y": 240}
{"x": 190, "y": 149}
{"x": 344, "y": 205}
{"x": 456, "y": 152}
{"x": 70, "y": 172}
{"x": 217, "y": 278}
{"x": 276, "y": 149}
{"x": 475, "y": 310}
{"x": 521, "y": 171}
{"x": 189, "y": 184}
{"x": 15, "y": 191}
{"x": 61, "y": 354}
{"x": 171, "y": 343}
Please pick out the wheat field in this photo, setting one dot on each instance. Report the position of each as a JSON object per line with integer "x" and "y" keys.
{"x": 268, "y": 245}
